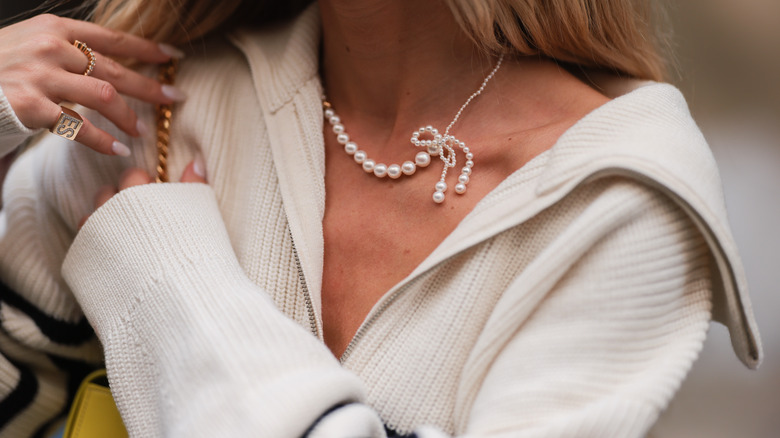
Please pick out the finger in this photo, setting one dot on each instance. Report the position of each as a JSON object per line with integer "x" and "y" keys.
{"x": 89, "y": 135}
{"x": 115, "y": 43}
{"x": 103, "y": 195}
{"x": 57, "y": 52}
{"x": 132, "y": 83}
{"x": 95, "y": 138}
{"x": 133, "y": 177}
{"x": 54, "y": 51}
{"x": 98, "y": 95}
{"x": 195, "y": 172}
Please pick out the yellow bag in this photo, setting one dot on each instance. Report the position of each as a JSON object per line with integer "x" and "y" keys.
{"x": 94, "y": 413}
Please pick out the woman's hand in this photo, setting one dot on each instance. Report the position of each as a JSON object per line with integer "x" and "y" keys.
{"x": 195, "y": 172}
{"x": 40, "y": 67}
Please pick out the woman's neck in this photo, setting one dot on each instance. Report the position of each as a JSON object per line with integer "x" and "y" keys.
{"x": 397, "y": 63}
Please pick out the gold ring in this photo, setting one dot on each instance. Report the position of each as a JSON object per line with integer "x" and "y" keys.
{"x": 88, "y": 53}
{"x": 68, "y": 124}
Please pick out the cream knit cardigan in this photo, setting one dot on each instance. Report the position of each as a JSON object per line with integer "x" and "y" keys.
{"x": 570, "y": 303}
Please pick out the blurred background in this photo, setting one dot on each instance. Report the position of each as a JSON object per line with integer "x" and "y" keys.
{"x": 727, "y": 62}
{"x": 728, "y": 57}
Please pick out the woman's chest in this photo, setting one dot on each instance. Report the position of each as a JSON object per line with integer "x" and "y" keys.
{"x": 365, "y": 255}
{"x": 376, "y": 232}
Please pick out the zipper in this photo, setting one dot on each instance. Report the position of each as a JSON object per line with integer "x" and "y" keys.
{"x": 310, "y": 308}
{"x": 306, "y": 295}
{"x": 390, "y": 298}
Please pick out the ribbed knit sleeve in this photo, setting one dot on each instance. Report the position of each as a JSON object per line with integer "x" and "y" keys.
{"x": 193, "y": 348}
{"x": 12, "y": 131}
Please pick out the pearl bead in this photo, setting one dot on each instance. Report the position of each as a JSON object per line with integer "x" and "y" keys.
{"x": 469, "y": 163}
{"x": 464, "y": 179}
{"x": 408, "y": 168}
{"x": 342, "y": 139}
{"x": 338, "y": 129}
{"x": 415, "y": 141}
{"x": 429, "y": 128}
{"x": 415, "y": 134}
{"x": 434, "y": 131}
{"x": 433, "y": 150}
{"x": 368, "y": 165}
{"x": 438, "y": 197}
{"x": 360, "y": 157}
{"x": 351, "y": 147}
{"x": 436, "y": 137}
{"x": 393, "y": 171}
{"x": 469, "y": 156}
{"x": 334, "y": 120}
{"x": 441, "y": 186}
{"x": 380, "y": 170}
{"x": 329, "y": 113}
{"x": 462, "y": 145}
{"x": 465, "y": 150}
{"x": 460, "y": 188}
{"x": 421, "y": 130}
{"x": 422, "y": 159}
{"x": 466, "y": 171}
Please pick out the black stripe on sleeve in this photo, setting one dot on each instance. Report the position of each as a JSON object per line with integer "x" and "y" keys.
{"x": 393, "y": 434}
{"x": 390, "y": 432}
{"x": 317, "y": 421}
{"x": 58, "y": 331}
{"x": 21, "y": 397}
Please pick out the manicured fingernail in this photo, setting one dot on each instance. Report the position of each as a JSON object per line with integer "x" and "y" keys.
{"x": 120, "y": 149}
{"x": 171, "y": 51}
{"x": 142, "y": 129}
{"x": 173, "y": 93}
{"x": 199, "y": 166}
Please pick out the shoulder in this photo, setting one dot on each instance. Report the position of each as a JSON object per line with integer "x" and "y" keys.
{"x": 649, "y": 136}
{"x": 646, "y": 134}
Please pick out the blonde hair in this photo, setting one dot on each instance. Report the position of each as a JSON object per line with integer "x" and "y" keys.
{"x": 179, "y": 22}
{"x": 613, "y": 35}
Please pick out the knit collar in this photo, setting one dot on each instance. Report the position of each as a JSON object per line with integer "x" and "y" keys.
{"x": 282, "y": 58}
{"x": 649, "y": 135}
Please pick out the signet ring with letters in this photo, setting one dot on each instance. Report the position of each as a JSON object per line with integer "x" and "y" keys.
{"x": 68, "y": 124}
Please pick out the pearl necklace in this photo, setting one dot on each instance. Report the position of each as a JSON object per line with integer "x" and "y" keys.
{"x": 428, "y": 137}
